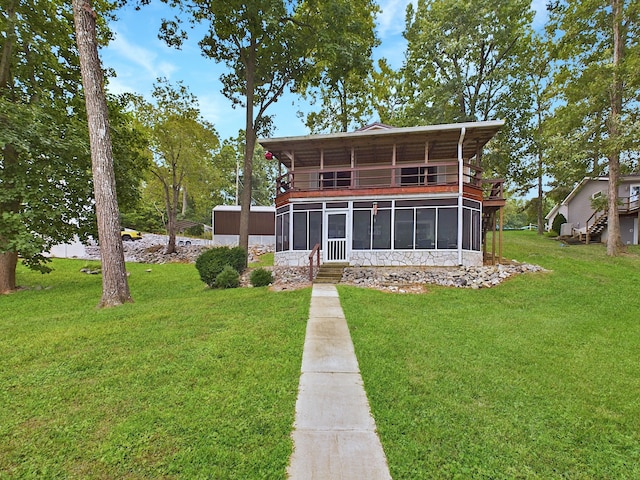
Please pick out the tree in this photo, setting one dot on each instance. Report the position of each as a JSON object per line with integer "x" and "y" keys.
{"x": 115, "y": 287}
{"x": 264, "y": 173}
{"x": 268, "y": 46}
{"x": 340, "y": 76}
{"x": 598, "y": 85}
{"x": 43, "y": 149}
{"x": 387, "y": 93}
{"x": 464, "y": 62}
{"x": 462, "y": 57}
{"x": 182, "y": 148}
{"x": 533, "y": 126}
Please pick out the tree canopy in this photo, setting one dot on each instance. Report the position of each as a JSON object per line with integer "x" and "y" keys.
{"x": 183, "y": 148}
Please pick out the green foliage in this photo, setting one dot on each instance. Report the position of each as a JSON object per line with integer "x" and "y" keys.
{"x": 183, "y": 146}
{"x": 211, "y": 262}
{"x": 228, "y": 278}
{"x": 261, "y": 277}
{"x": 557, "y": 222}
{"x": 46, "y": 194}
{"x": 263, "y": 174}
{"x": 163, "y": 379}
{"x": 196, "y": 230}
{"x": 340, "y": 77}
{"x": 144, "y": 218}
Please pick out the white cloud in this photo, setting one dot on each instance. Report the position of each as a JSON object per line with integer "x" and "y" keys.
{"x": 391, "y": 18}
{"x": 136, "y": 59}
{"x": 541, "y": 16}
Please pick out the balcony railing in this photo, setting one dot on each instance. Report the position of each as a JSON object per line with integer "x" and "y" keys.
{"x": 386, "y": 176}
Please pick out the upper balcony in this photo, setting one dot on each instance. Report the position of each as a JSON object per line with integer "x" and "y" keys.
{"x": 383, "y": 160}
{"x": 407, "y": 178}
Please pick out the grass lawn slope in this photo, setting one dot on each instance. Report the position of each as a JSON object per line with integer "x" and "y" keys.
{"x": 537, "y": 378}
{"x": 186, "y": 382}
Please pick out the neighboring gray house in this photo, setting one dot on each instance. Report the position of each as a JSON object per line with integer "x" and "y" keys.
{"x": 582, "y": 220}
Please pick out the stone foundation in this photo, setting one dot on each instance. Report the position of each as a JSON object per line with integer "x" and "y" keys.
{"x": 388, "y": 258}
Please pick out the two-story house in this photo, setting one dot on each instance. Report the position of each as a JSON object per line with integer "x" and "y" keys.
{"x": 384, "y": 196}
{"x": 587, "y": 218}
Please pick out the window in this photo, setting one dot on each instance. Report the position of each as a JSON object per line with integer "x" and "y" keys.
{"x": 307, "y": 230}
{"x": 447, "y": 228}
{"x": 466, "y": 229}
{"x": 285, "y": 232}
{"x": 300, "y": 229}
{"x": 412, "y": 176}
{"x": 382, "y": 230}
{"x": 475, "y": 230}
{"x": 403, "y": 231}
{"x": 425, "y": 228}
{"x": 282, "y": 232}
{"x": 315, "y": 229}
{"x": 336, "y": 179}
{"x": 361, "y": 230}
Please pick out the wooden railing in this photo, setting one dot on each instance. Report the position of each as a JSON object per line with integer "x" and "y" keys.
{"x": 315, "y": 251}
{"x": 493, "y": 188}
{"x": 626, "y": 205}
{"x": 380, "y": 176}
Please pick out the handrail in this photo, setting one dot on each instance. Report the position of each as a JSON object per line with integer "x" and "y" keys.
{"x": 377, "y": 176}
{"x": 315, "y": 250}
{"x": 586, "y": 226}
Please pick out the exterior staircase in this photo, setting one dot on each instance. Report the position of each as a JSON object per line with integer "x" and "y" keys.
{"x": 598, "y": 225}
{"x": 330, "y": 273}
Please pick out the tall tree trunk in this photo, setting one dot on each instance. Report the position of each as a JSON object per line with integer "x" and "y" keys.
{"x": 184, "y": 201}
{"x": 173, "y": 195}
{"x": 8, "y": 260}
{"x": 540, "y": 196}
{"x": 8, "y": 264}
{"x": 115, "y": 288}
{"x": 614, "y": 242}
{"x": 245, "y": 199}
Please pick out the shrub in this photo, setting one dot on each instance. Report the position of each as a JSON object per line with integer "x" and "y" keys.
{"x": 261, "y": 277}
{"x": 211, "y": 262}
{"x": 228, "y": 278}
{"x": 557, "y": 221}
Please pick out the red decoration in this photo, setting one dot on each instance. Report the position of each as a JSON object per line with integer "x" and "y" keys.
{"x": 268, "y": 155}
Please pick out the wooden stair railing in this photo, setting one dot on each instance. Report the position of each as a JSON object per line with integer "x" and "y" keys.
{"x": 315, "y": 251}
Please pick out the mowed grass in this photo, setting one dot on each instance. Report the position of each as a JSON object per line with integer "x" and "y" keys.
{"x": 186, "y": 382}
{"x": 537, "y": 378}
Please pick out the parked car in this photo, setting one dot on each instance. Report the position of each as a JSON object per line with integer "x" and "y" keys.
{"x": 128, "y": 234}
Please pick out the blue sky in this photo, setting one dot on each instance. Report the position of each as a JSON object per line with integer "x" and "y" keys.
{"x": 138, "y": 57}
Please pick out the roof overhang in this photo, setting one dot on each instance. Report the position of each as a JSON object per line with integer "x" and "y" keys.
{"x": 435, "y": 142}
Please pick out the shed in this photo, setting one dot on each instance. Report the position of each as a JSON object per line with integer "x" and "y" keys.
{"x": 226, "y": 225}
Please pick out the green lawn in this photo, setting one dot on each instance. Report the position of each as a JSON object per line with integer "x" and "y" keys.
{"x": 184, "y": 383}
{"x": 538, "y": 378}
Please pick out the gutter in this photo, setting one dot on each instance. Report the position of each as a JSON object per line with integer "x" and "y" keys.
{"x": 463, "y": 131}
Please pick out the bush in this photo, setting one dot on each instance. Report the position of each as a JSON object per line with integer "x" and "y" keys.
{"x": 557, "y": 221}
{"x": 211, "y": 262}
{"x": 261, "y": 277}
{"x": 228, "y": 278}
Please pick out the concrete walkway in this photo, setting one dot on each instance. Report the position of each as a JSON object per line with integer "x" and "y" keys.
{"x": 334, "y": 433}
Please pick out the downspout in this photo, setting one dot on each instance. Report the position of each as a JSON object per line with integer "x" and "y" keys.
{"x": 463, "y": 130}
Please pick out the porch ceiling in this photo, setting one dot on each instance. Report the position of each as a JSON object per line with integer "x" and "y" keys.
{"x": 376, "y": 146}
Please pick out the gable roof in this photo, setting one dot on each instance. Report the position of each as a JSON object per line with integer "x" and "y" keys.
{"x": 374, "y": 126}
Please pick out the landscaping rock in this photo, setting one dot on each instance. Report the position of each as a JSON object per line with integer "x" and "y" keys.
{"x": 459, "y": 277}
{"x": 394, "y": 279}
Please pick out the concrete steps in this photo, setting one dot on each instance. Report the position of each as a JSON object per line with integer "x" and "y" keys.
{"x": 330, "y": 273}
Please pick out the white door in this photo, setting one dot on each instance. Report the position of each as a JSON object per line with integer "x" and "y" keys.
{"x": 336, "y": 236}
{"x": 634, "y": 196}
